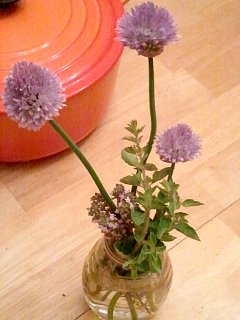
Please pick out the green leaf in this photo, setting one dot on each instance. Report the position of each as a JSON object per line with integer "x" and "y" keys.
{"x": 132, "y": 180}
{"x": 143, "y": 267}
{"x": 168, "y": 237}
{"x": 130, "y": 158}
{"x": 132, "y": 127}
{"x": 145, "y": 199}
{"x": 159, "y": 175}
{"x": 138, "y": 217}
{"x": 160, "y": 249}
{"x": 163, "y": 226}
{"x": 171, "y": 207}
{"x": 187, "y": 231}
{"x": 140, "y": 129}
{"x": 150, "y": 167}
{"x": 157, "y": 203}
{"x": 162, "y": 196}
{"x": 138, "y": 234}
{"x": 125, "y": 246}
{"x": 153, "y": 239}
{"x": 191, "y": 203}
{"x": 129, "y": 138}
{"x": 155, "y": 264}
{"x": 128, "y": 263}
{"x": 143, "y": 255}
{"x": 181, "y": 214}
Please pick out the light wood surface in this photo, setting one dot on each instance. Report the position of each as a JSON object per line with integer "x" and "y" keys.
{"x": 45, "y": 232}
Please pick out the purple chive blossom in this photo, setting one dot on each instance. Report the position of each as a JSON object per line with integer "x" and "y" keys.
{"x": 32, "y": 95}
{"x": 178, "y": 144}
{"x": 147, "y": 29}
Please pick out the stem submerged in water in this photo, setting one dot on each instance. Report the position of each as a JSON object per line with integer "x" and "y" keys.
{"x": 112, "y": 304}
{"x": 131, "y": 306}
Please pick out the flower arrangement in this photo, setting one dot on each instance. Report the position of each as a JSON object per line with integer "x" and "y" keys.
{"x": 137, "y": 221}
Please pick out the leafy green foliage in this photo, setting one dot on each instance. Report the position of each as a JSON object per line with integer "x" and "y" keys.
{"x": 148, "y": 259}
{"x": 158, "y": 210}
{"x": 125, "y": 246}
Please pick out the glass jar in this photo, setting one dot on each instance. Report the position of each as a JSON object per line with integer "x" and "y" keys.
{"x": 113, "y": 294}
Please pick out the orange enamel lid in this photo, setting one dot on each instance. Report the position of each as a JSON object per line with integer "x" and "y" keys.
{"x": 74, "y": 38}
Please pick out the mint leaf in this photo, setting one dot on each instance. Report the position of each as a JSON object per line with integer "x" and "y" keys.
{"x": 132, "y": 180}
{"x": 150, "y": 167}
{"x": 146, "y": 198}
{"x": 130, "y": 158}
{"x": 129, "y": 138}
{"x": 163, "y": 226}
{"x": 132, "y": 127}
{"x": 159, "y": 175}
{"x": 187, "y": 231}
{"x": 153, "y": 239}
{"x": 168, "y": 237}
{"x": 191, "y": 203}
{"x": 138, "y": 217}
{"x": 138, "y": 234}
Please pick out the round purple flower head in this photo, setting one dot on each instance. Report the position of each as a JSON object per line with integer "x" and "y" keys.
{"x": 178, "y": 144}
{"x": 147, "y": 29}
{"x": 32, "y": 95}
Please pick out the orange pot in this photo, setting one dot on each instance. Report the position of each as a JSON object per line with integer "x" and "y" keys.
{"x": 73, "y": 38}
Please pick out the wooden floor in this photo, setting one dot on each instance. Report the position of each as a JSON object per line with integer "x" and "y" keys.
{"x": 45, "y": 232}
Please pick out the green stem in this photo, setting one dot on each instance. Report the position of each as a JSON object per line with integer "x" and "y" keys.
{"x": 112, "y": 304}
{"x": 151, "y": 90}
{"x": 131, "y": 306}
{"x": 149, "y": 145}
{"x": 144, "y": 232}
{"x": 104, "y": 297}
{"x": 171, "y": 171}
{"x": 85, "y": 162}
{"x": 150, "y": 300}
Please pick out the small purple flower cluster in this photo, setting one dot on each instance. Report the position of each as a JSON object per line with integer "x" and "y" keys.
{"x": 118, "y": 224}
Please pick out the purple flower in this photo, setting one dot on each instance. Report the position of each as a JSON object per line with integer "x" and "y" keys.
{"x": 32, "y": 95}
{"x": 178, "y": 144}
{"x": 147, "y": 29}
{"x": 115, "y": 224}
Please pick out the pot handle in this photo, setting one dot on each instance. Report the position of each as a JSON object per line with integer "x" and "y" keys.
{"x": 125, "y": 1}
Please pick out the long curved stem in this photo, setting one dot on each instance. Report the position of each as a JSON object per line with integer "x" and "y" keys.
{"x": 85, "y": 162}
{"x": 149, "y": 145}
{"x": 151, "y": 89}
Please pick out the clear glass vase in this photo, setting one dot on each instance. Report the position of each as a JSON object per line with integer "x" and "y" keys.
{"x": 113, "y": 294}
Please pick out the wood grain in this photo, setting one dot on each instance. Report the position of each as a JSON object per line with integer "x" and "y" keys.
{"x": 45, "y": 232}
